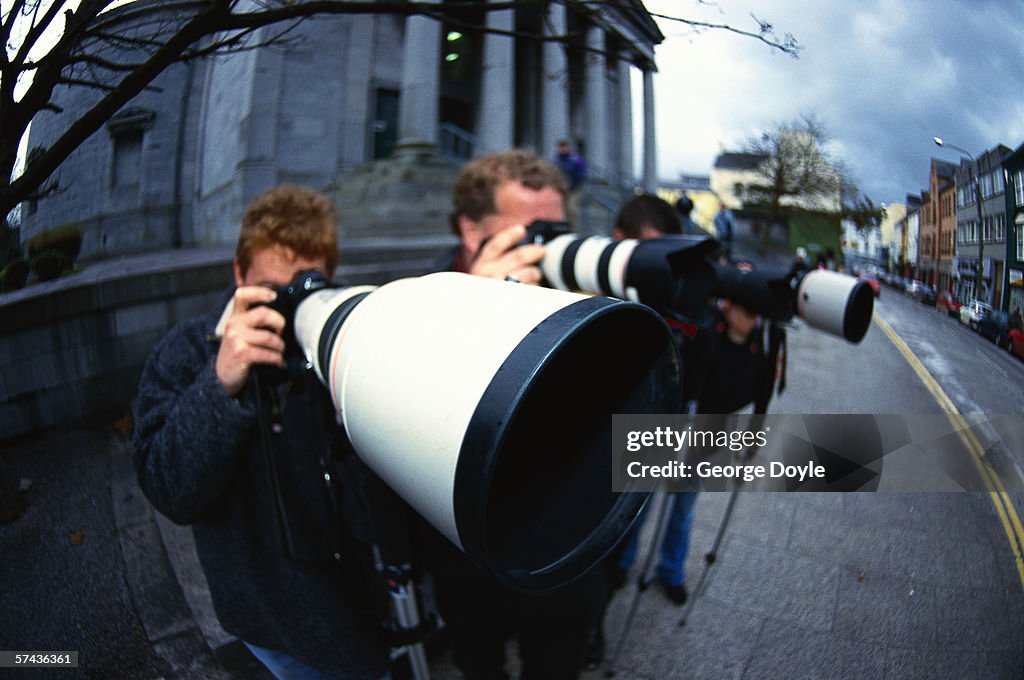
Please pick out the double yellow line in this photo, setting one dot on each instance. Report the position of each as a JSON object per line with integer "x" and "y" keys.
{"x": 997, "y": 492}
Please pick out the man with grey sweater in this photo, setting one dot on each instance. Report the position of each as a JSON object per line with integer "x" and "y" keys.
{"x": 281, "y": 548}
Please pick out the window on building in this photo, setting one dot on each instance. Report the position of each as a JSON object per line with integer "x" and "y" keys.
{"x": 1019, "y": 224}
{"x": 1018, "y": 188}
{"x": 998, "y": 185}
{"x": 986, "y": 185}
{"x": 969, "y": 194}
{"x": 127, "y": 130}
{"x": 127, "y": 165}
{"x": 384, "y": 127}
{"x": 1000, "y": 228}
{"x": 987, "y": 229}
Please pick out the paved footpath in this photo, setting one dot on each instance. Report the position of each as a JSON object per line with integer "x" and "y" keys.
{"x": 860, "y": 586}
{"x": 806, "y": 585}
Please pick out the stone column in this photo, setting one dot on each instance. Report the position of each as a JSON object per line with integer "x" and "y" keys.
{"x": 496, "y": 129}
{"x": 625, "y": 131}
{"x": 650, "y": 178}
{"x": 598, "y": 128}
{"x": 258, "y": 168}
{"x": 356, "y": 78}
{"x": 554, "y": 83}
{"x": 419, "y": 110}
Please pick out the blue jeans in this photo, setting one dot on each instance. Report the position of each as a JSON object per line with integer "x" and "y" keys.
{"x": 284, "y": 667}
{"x": 675, "y": 544}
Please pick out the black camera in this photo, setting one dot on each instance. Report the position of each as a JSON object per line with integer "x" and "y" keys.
{"x": 543, "y": 231}
{"x": 538, "y": 232}
{"x": 289, "y": 296}
{"x": 677, "y": 275}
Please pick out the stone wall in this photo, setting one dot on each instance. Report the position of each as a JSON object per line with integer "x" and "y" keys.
{"x": 74, "y": 348}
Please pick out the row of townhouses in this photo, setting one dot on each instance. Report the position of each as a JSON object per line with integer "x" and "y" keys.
{"x": 970, "y": 218}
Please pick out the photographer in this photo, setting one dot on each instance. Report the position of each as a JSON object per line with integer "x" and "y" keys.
{"x": 494, "y": 198}
{"x": 254, "y": 471}
{"x": 645, "y": 217}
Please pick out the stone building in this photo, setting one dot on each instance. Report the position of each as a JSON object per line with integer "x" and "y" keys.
{"x": 378, "y": 109}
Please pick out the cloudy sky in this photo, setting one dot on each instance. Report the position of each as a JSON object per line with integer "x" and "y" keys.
{"x": 883, "y": 76}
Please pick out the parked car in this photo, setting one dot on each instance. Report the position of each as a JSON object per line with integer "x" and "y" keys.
{"x": 920, "y": 291}
{"x": 973, "y": 312}
{"x": 995, "y": 326}
{"x": 1016, "y": 342}
{"x": 869, "y": 278}
{"x": 925, "y": 294}
{"x": 947, "y": 302}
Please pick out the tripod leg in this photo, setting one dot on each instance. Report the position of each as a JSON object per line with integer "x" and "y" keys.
{"x": 646, "y": 576}
{"x": 403, "y": 598}
{"x": 712, "y": 555}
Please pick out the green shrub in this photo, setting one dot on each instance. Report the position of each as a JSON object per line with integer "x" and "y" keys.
{"x": 14, "y": 275}
{"x": 66, "y": 239}
{"x": 50, "y": 264}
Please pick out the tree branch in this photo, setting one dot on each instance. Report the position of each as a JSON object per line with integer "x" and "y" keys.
{"x": 35, "y": 32}
{"x": 94, "y": 118}
{"x": 8, "y": 24}
{"x": 766, "y": 34}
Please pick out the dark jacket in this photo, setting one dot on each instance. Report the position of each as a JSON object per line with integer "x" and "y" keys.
{"x": 199, "y": 461}
{"x": 731, "y": 376}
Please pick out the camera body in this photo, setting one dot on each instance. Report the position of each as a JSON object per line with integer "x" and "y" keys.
{"x": 678, "y": 275}
{"x": 544, "y": 231}
{"x": 290, "y": 296}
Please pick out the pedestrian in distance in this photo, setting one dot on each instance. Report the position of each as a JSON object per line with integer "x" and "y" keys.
{"x": 574, "y": 169}
{"x": 571, "y": 164}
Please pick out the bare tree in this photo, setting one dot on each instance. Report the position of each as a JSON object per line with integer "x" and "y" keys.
{"x": 795, "y": 169}
{"x": 85, "y": 45}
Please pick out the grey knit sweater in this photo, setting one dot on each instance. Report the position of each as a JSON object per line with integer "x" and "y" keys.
{"x": 198, "y": 461}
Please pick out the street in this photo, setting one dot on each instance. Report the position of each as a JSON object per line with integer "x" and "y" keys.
{"x": 978, "y": 376}
{"x": 858, "y": 585}
{"x": 804, "y": 585}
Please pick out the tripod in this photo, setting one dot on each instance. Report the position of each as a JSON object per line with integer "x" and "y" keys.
{"x": 408, "y": 631}
{"x": 647, "y": 570}
{"x": 384, "y": 552}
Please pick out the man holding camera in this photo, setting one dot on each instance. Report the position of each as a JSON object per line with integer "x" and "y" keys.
{"x": 494, "y": 199}
{"x": 231, "y": 439}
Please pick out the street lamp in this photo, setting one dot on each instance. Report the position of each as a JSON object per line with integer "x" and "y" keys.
{"x": 981, "y": 222}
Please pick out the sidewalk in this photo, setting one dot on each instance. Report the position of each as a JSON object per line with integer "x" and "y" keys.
{"x": 908, "y": 585}
{"x": 806, "y": 585}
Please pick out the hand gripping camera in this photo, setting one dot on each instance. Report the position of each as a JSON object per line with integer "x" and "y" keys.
{"x": 488, "y": 405}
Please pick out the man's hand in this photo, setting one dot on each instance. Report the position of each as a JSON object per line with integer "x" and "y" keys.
{"x": 252, "y": 336}
{"x": 499, "y": 257}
